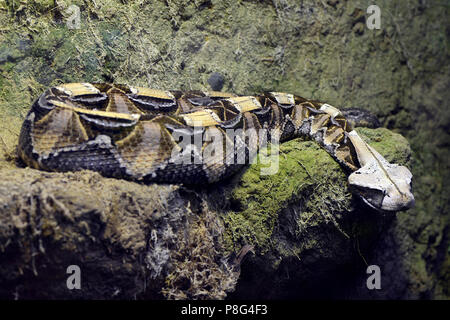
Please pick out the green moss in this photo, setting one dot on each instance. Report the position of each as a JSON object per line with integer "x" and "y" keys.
{"x": 263, "y": 197}
{"x": 307, "y": 175}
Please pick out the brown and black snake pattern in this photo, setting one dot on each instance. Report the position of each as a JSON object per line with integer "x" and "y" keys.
{"x": 131, "y": 132}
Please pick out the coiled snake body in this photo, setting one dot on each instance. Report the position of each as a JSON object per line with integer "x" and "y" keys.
{"x": 150, "y": 135}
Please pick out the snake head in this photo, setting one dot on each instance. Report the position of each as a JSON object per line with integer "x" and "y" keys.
{"x": 384, "y": 189}
{"x": 382, "y": 185}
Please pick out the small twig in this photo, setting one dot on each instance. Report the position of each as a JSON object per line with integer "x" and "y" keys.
{"x": 9, "y": 155}
{"x": 359, "y": 251}
{"x": 306, "y": 170}
{"x": 242, "y": 253}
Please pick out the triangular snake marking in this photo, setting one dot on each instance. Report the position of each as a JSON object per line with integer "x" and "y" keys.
{"x": 134, "y": 133}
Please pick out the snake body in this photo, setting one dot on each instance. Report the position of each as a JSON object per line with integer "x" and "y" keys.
{"x": 164, "y": 136}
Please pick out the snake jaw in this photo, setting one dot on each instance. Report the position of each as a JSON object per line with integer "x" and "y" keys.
{"x": 382, "y": 185}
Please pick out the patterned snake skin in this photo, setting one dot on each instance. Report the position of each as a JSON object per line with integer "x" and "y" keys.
{"x": 138, "y": 133}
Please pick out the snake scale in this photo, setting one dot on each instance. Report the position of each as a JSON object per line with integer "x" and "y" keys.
{"x": 163, "y": 136}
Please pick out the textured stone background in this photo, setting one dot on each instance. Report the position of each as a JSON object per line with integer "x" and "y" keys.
{"x": 317, "y": 49}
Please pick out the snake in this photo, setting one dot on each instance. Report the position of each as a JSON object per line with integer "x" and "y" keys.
{"x": 195, "y": 137}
